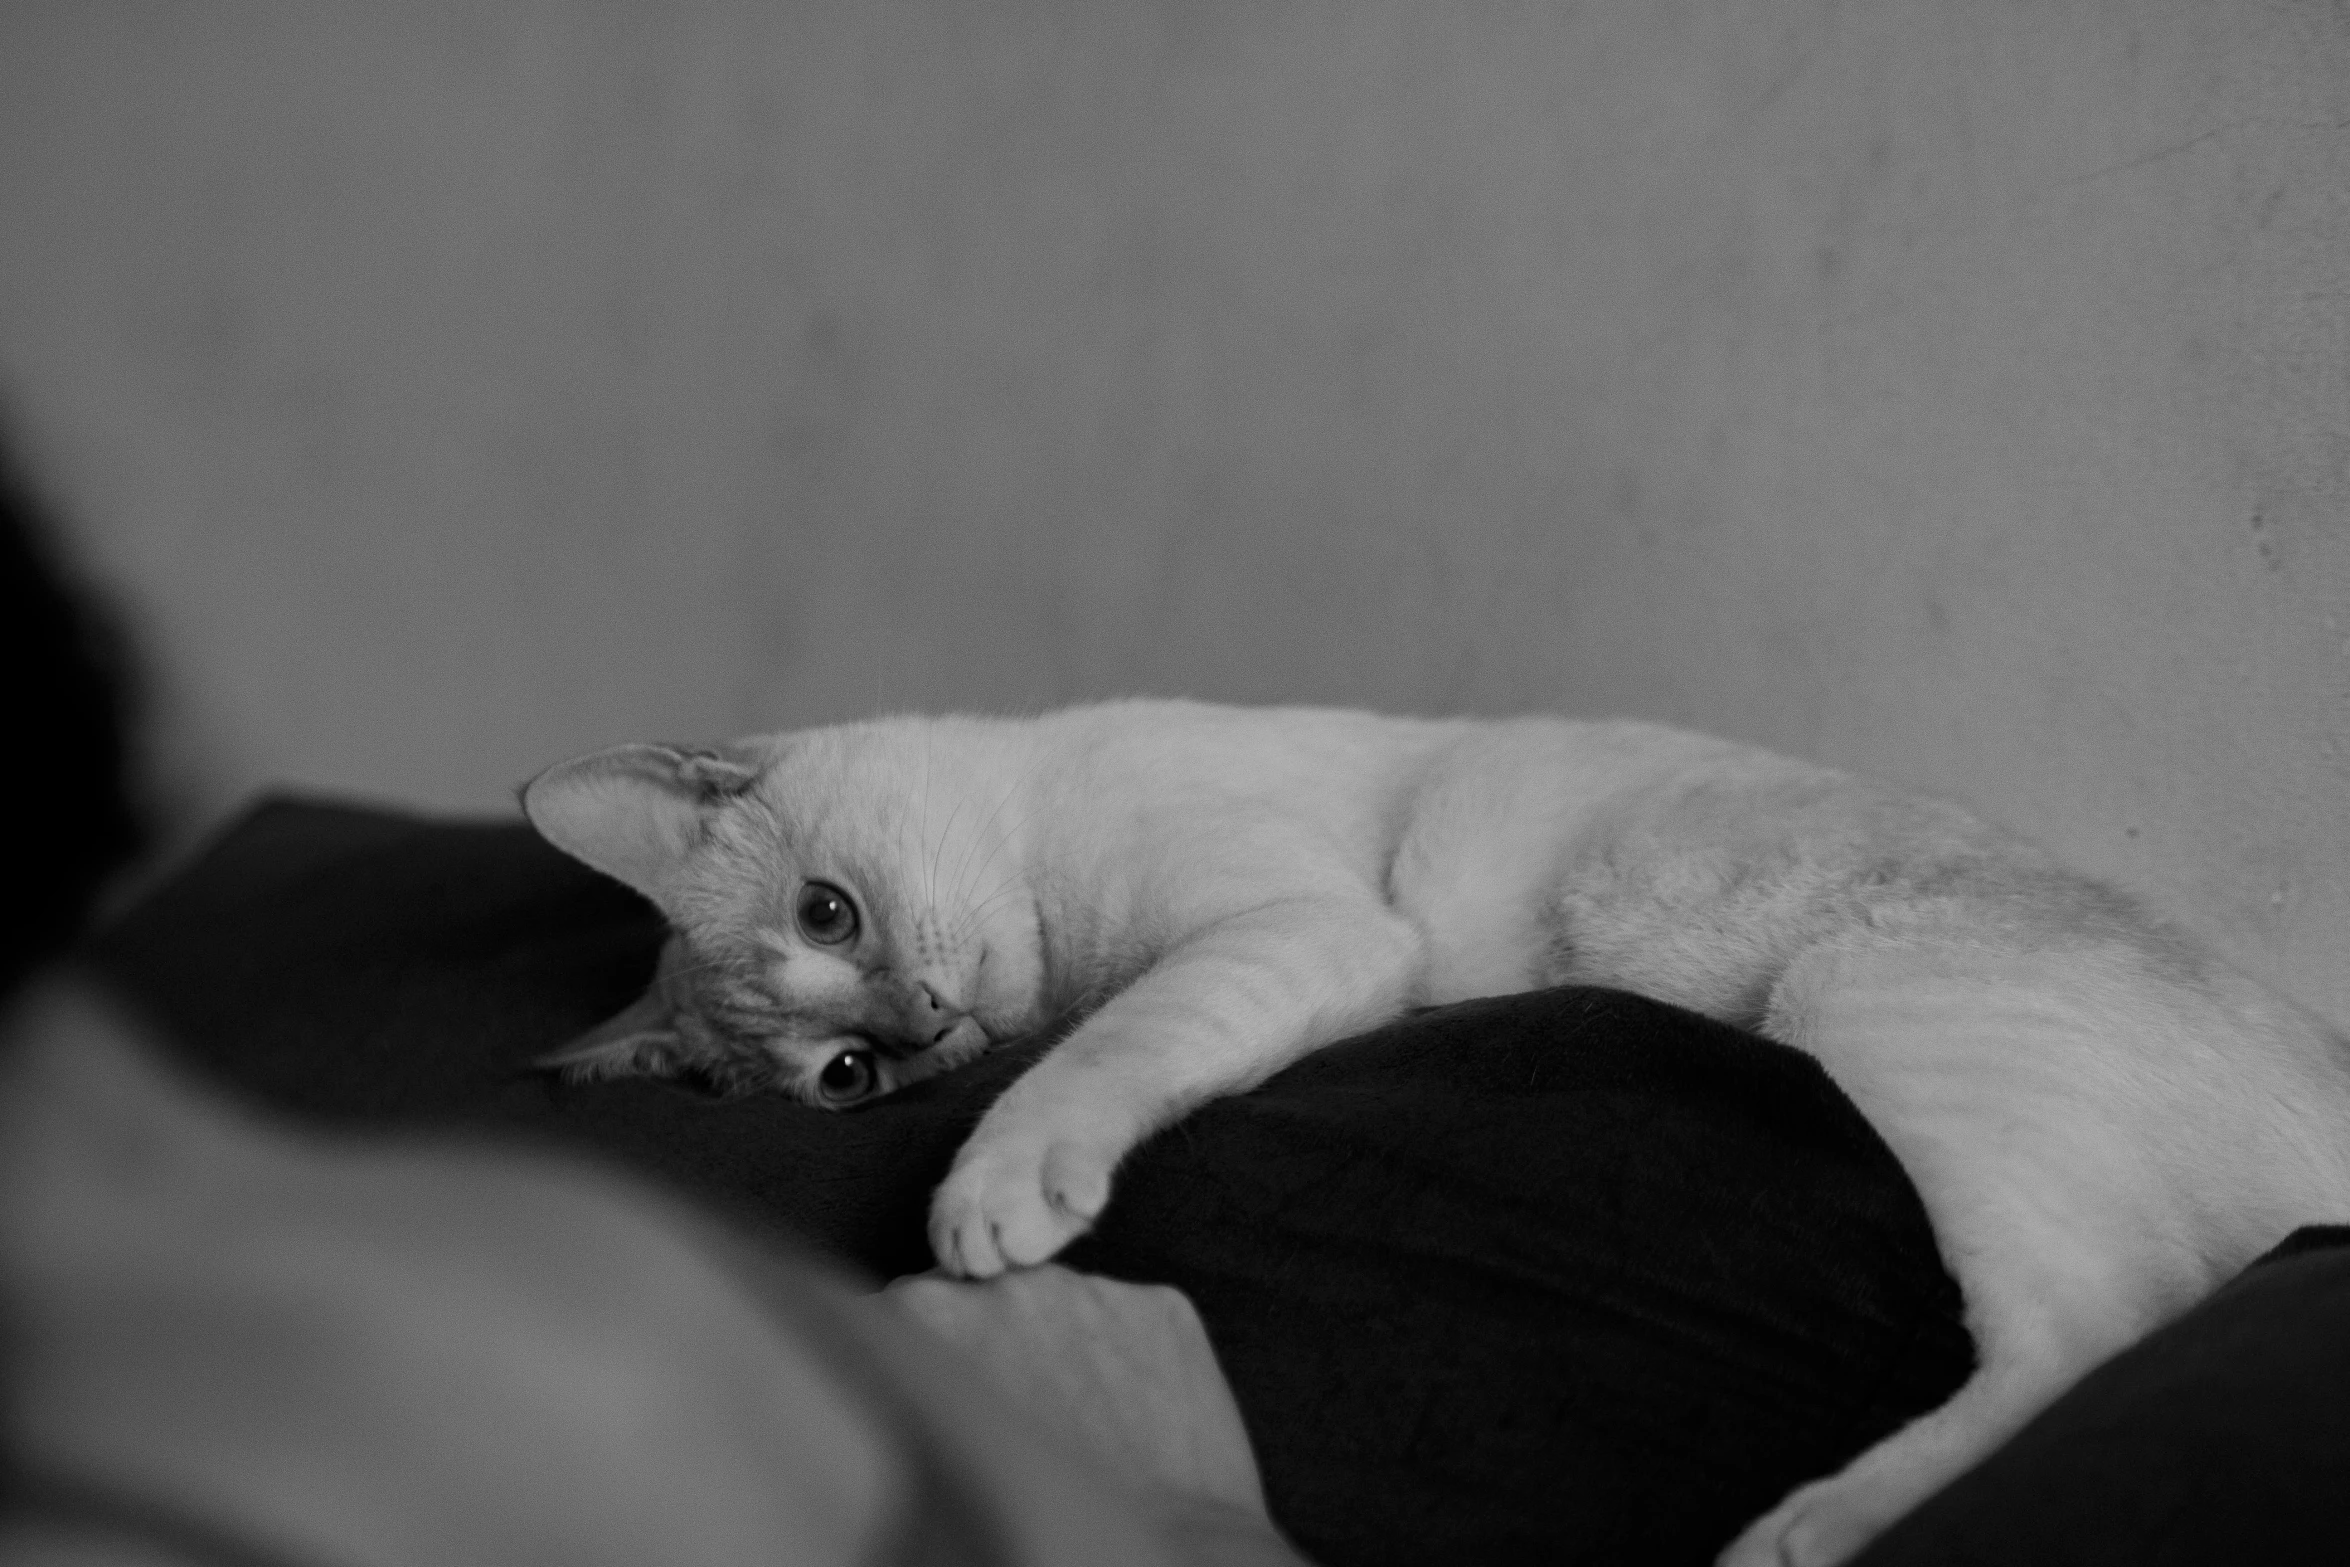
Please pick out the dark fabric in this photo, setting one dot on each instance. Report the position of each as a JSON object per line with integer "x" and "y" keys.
{"x": 2223, "y": 1438}
{"x": 1570, "y": 1276}
{"x": 1562, "y": 1277}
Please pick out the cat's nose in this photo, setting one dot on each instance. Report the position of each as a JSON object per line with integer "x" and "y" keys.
{"x": 935, "y": 1016}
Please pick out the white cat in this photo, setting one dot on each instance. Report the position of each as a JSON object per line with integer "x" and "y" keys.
{"x": 2104, "y": 1120}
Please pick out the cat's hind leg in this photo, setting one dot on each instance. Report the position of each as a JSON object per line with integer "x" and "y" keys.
{"x": 2090, "y": 1161}
{"x": 1831, "y": 1519}
{"x": 1220, "y": 1013}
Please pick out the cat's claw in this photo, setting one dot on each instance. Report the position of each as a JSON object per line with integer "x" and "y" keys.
{"x": 1016, "y": 1205}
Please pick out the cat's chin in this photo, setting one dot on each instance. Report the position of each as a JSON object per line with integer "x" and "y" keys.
{"x": 965, "y": 1042}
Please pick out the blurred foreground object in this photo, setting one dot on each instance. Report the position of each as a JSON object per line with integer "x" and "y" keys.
{"x": 237, "y": 1343}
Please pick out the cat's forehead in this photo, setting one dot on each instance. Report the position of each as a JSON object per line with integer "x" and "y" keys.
{"x": 858, "y": 772}
{"x": 873, "y": 796}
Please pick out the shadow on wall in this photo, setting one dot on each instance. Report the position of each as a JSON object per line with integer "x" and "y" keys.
{"x": 1958, "y": 396}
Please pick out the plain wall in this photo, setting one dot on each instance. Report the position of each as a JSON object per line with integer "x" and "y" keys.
{"x": 1958, "y": 392}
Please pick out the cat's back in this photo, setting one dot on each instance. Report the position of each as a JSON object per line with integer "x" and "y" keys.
{"x": 1345, "y": 770}
{"x": 1338, "y": 769}
{"x": 1265, "y": 753}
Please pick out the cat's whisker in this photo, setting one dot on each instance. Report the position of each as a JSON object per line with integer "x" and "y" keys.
{"x": 706, "y": 966}
{"x": 922, "y": 832}
{"x": 960, "y": 899}
{"x": 697, "y": 965}
{"x": 1012, "y": 880}
{"x": 969, "y": 926}
{"x": 964, "y": 872}
{"x": 930, "y": 877}
{"x": 1003, "y": 799}
{"x": 971, "y": 917}
{"x": 956, "y": 878}
{"x": 1032, "y": 869}
{"x": 1001, "y": 842}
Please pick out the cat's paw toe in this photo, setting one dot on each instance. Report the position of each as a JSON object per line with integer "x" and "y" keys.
{"x": 1818, "y": 1525}
{"x": 1076, "y": 1180}
{"x": 1015, "y": 1207}
{"x": 959, "y": 1239}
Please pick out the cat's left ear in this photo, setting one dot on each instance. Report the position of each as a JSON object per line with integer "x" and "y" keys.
{"x": 634, "y": 812}
{"x": 639, "y": 1041}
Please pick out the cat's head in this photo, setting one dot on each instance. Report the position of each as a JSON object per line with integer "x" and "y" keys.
{"x": 847, "y": 914}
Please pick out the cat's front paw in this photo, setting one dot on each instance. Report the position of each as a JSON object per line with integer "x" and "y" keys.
{"x": 1014, "y": 1202}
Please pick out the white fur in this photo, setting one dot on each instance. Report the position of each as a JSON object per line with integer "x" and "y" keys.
{"x": 2103, "y": 1119}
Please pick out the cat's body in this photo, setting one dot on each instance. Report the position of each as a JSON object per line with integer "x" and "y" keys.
{"x": 2104, "y": 1119}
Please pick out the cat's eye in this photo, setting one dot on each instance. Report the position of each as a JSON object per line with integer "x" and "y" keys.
{"x": 847, "y": 1078}
{"x": 826, "y": 915}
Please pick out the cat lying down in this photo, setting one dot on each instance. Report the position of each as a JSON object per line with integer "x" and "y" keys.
{"x": 2103, "y": 1119}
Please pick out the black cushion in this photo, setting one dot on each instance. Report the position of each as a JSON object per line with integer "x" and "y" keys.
{"x": 1569, "y": 1276}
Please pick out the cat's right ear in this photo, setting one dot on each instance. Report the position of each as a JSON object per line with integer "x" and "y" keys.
{"x": 634, "y": 812}
{"x": 641, "y": 1041}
